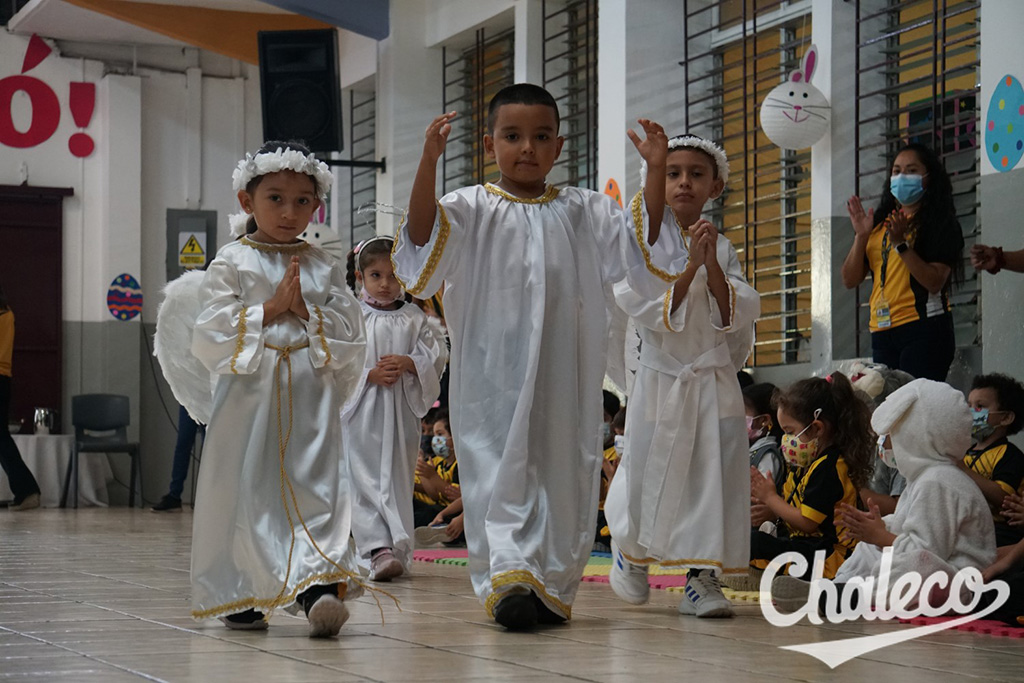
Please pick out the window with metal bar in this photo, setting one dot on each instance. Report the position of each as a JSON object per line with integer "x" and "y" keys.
{"x": 917, "y": 68}
{"x": 735, "y": 52}
{"x": 471, "y": 77}
{"x": 362, "y": 181}
{"x": 570, "y": 74}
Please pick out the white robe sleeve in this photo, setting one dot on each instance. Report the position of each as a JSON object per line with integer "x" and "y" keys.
{"x": 650, "y": 269}
{"x": 744, "y": 304}
{"x": 337, "y": 339}
{"x": 422, "y": 270}
{"x": 228, "y": 336}
{"x": 429, "y": 356}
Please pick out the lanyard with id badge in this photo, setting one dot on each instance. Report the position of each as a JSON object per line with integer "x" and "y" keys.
{"x": 883, "y": 318}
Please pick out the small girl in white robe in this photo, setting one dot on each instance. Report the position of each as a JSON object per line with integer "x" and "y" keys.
{"x": 405, "y": 357}
{"x": 284, "y": 338}
{"x": 681, "y": 494}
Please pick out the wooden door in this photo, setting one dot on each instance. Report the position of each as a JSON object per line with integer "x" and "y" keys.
{"x": 31, "y": 265}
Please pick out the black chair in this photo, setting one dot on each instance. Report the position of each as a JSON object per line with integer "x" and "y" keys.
{"x": 101, "y": 426}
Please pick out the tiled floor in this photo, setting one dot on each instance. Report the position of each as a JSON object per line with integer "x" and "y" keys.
{"x": 102, "y": 595}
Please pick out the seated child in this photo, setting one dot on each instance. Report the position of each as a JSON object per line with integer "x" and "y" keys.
{"x": 1009, "y": 566}
{"x": 764, "y": 433}
{"x": 942, "y": 523}
{"x": 612, "y": 456}
{"x": 876, "y": 381}
{"x": 828, "y": 445}
{"x": 995, "y": 464}
{"x": 441, "y": 480}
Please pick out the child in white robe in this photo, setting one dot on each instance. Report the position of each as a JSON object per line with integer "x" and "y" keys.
{"x": 681, "y": 494}
{"x": 284, "y": 337}
{"x": 528, "y": 269}
{"x": 405, "y": 356}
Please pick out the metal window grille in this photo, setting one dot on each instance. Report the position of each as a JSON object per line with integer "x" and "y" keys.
{"x": 471, "y": 77}
{"x": 570, "y": 74}
{"x": 917, "y": 69}
{"x": 362, "y": 181}
{"x": 734, "y": 53}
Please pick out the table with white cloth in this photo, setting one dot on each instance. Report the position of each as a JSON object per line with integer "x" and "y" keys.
{"x": 47, "y": 457}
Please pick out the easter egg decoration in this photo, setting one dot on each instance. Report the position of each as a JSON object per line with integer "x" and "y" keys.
{"x": 1004, "y": 124}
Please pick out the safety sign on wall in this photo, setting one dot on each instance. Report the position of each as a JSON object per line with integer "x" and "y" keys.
{"x": 191, "y": 250}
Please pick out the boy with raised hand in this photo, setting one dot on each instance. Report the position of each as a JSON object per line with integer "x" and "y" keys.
{"x": 528, "y": 270}
{"x": 681, "y": 494}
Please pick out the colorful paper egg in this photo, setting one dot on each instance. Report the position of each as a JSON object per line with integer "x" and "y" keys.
{"x": 1004, "y": 124}
{"x": 124, "y": 298}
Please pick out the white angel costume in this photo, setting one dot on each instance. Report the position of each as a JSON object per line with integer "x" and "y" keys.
{"x": 381, "y": 428}
{"x": 526, "y": 303}
{"x": 942, "y": 522}
{"x": 272, "y": 511}
{"x": 681, "y": 494}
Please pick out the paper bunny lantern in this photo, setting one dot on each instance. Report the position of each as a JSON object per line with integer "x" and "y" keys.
{"x": 795, "y": 114}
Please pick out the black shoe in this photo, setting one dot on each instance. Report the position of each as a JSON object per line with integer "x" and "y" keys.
{"x": 545, "y": 615}
{"x": 249, "y": 620}
{"x": 516, "y": 611}
{"x": 167, "y": 504}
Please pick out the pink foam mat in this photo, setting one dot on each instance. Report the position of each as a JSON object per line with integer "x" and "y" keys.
{"x": 986, "y": 626}
{"x": 439, "y": 554}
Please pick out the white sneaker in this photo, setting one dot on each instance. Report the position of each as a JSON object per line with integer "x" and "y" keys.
{"x": 427, "y": 536}
{"x": 790, "y": 593}
{"x": 384, "y": 566}
{"x": 703, "y": 596}
{"x": 628, "y": 580}
{"x": 744, "y": 583}
{"x": 326, "y": 617}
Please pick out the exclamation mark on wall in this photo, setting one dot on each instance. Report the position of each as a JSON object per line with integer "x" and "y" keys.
{"x": 82, "y": 101}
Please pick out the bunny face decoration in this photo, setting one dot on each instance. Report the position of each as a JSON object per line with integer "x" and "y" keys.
{"x": 795, "y": 114}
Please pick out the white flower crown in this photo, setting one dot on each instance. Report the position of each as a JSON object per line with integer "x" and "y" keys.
{"x": 279, "y": 160}
{"x": 692, "y": 141}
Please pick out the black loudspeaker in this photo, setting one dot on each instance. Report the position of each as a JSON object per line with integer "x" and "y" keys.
{"x": 300, "y": 88}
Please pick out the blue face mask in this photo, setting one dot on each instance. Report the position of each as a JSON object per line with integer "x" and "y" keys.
{"x": 907, "y": 188}
{"x": 439, "y": 445}
{"x": 980, "y": 428}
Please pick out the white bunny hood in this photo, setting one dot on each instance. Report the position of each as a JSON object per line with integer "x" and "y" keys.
{"x": 929, "y": 424}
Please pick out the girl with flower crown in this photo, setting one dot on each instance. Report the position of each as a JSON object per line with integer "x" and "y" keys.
{"x": 284, "y": 339}
{"x": 405, "y": 356}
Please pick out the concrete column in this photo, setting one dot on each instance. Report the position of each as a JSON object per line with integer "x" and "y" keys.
{"x": 833, "y": 307}
{"x": 408, "y": 97}
{"x": 1002, "y": 324}
{"x": 529, "y": 22}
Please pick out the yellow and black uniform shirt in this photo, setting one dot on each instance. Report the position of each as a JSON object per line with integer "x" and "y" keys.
{"x": 6, "y": 342}
{"x": 1001, "y": 462}
{"x": 894, "y": 288}
{"x": 449, "y": 474}
{"x": 611, "y": 456}
{"x": 816, "y": 492}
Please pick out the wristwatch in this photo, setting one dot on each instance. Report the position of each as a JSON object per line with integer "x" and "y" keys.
{"x": 902, "y": 247}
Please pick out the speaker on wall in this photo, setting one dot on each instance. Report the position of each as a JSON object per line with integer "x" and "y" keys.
{"x": 300, "y": 89}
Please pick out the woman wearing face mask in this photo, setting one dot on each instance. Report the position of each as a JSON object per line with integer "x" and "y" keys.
{"x": 828, "y": 445}
{"x": 914, "y": 254}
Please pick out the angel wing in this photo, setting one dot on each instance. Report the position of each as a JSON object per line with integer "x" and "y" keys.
{"x": 190, "y": 381}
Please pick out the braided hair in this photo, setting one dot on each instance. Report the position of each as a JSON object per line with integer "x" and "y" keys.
{"x": 364, "y": 254}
